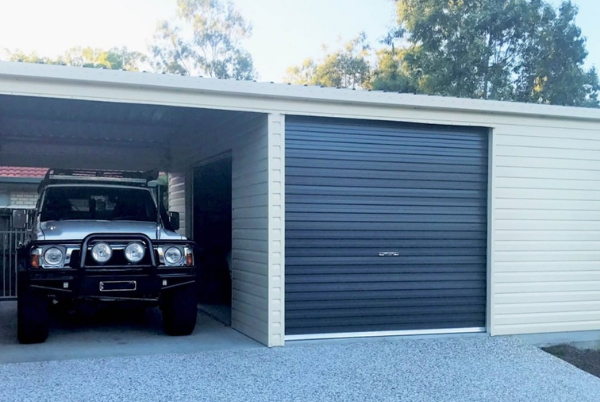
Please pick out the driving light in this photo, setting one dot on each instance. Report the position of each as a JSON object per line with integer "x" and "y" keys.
{"x": 53, "y": 256}
{"x": 101, "y": 252}
{"x": 134, "y": 252}
{"x": 173, "y": 256}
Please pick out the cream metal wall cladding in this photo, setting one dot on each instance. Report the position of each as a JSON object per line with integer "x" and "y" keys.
{"x": 255, "y": 143}
{"x": 543, "y": 264}
{"x": 546, "y": 267}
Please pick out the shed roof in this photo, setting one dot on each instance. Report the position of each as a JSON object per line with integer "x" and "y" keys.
{"x": 111, "y": 78}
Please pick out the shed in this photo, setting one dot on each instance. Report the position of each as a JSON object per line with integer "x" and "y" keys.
{"x": 351, "y": 213}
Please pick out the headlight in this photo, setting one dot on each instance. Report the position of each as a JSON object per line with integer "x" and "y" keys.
{"x": 53, "y": 256}
{"x": 173, "y": 256}
{"x": 134, "y": 252}
{"x": 101, "y": 252}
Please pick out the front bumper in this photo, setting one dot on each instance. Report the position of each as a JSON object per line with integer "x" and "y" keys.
{"x": 125, "y": 282}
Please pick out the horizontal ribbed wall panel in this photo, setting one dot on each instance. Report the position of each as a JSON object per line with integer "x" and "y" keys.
{"x": 357, "y": 188}
{"x": 546, "y": 237}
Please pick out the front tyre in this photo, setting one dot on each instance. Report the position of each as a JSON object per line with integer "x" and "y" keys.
{"x": 32, "y": 317}
{"x": 180, "y": 311}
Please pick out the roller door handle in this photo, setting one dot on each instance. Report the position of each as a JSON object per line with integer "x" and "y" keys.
{"x": 389, "y": 254}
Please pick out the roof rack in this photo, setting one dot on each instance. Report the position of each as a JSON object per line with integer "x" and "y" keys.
{"x": 130, "y": 177}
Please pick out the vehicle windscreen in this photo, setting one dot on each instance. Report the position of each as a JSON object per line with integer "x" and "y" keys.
{"x": 97, "y": 203}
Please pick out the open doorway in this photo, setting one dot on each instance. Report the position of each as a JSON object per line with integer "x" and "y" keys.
{"x": 212, "y": 232}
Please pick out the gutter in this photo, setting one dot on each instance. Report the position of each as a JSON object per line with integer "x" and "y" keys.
{"x": 20, "y": 180}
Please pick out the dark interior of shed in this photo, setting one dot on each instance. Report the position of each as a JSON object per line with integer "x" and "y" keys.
{"x": 212, "y": 231}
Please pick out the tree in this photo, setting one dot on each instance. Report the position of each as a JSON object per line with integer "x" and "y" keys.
{"x": 204, "y": 39}
{"x": 345, "y": 68}
{"x": 170, "y": 52}
{"x": 461, "y": 48}
{"x": 390, "y": 74}
{"x": 124, "y": 59}
{"x": 23, "y": 57}
{"x": 304, "y": 74}
{"x": 496, "y": 49}
{"x": 552, "y": 70}
{"x": 113, "y": 59}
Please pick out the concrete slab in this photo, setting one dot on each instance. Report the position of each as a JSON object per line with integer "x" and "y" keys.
{"x": 112, "y": 333}
{"x": 220, "y": 312}
{"x": 456, "y": 369}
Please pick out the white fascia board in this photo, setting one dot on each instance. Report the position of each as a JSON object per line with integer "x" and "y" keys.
{"x": 248, "y": 89}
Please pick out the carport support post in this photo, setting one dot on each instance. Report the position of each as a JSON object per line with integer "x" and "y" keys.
{"x": 276, "y": 228}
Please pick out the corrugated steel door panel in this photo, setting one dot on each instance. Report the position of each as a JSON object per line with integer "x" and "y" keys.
{"x": 417, "y": 194}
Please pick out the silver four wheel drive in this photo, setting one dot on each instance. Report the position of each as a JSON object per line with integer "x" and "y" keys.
{"x": 100, "y": 236}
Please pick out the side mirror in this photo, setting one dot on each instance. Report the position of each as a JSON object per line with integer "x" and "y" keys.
{"x": 174, "y": 219}
{"x": 19, "y": 219}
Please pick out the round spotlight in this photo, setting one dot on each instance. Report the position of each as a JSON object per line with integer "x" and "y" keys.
{"x": 134, "y": 252}
{"x": 101, "y": 252}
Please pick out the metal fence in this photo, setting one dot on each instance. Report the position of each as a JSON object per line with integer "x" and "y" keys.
{"x": 9, "y": 241}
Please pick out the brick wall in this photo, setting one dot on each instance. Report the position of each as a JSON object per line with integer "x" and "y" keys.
{"x": 23, "y": 199}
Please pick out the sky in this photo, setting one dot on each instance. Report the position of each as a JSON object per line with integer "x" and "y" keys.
{"x": 285, "y": 32}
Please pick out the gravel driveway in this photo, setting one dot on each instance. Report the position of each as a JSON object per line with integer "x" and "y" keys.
{"x": 448, "y": 369}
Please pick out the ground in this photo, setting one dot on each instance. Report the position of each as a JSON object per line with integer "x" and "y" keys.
{"x": 88, "y": 362}
{"x": 116, "y": 332}
{"x": 586, "y": 359}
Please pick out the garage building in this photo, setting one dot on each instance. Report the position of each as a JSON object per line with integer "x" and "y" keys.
{"x": 348, "y": 213}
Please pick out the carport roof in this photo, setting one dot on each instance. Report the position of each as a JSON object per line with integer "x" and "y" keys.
{"x": 44, "y": 131}
{"x": 22, "y": 72}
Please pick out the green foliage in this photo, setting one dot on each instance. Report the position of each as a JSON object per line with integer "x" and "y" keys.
{"x": 20, "y": 56}
{"x": 518, "y": 50}
{"x": 124, "y": 59}
{"x": 205, "y": 39}
{"x": 303, "y": 74}
{"x": 551, "y": 70}
{"x": 347, "y": 67}
{"x": 463, "y": 48}
{"x": 496, "y": 49}
{"x": 389, "y": 73}
{"x": 113, "y": 59}
{"x": 170, "y": 53}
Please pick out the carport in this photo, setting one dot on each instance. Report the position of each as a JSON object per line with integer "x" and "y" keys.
{"x": 126, "y": 127}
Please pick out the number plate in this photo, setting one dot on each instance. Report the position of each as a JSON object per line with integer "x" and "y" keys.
{"x": 118, "y": 286}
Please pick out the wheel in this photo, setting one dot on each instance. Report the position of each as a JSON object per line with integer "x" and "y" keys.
{"x": 180, "y": 310}
{"x": 32, "y": 317}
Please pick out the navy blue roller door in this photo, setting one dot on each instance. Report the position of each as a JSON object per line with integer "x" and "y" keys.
{"x": 386, "y": 226}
